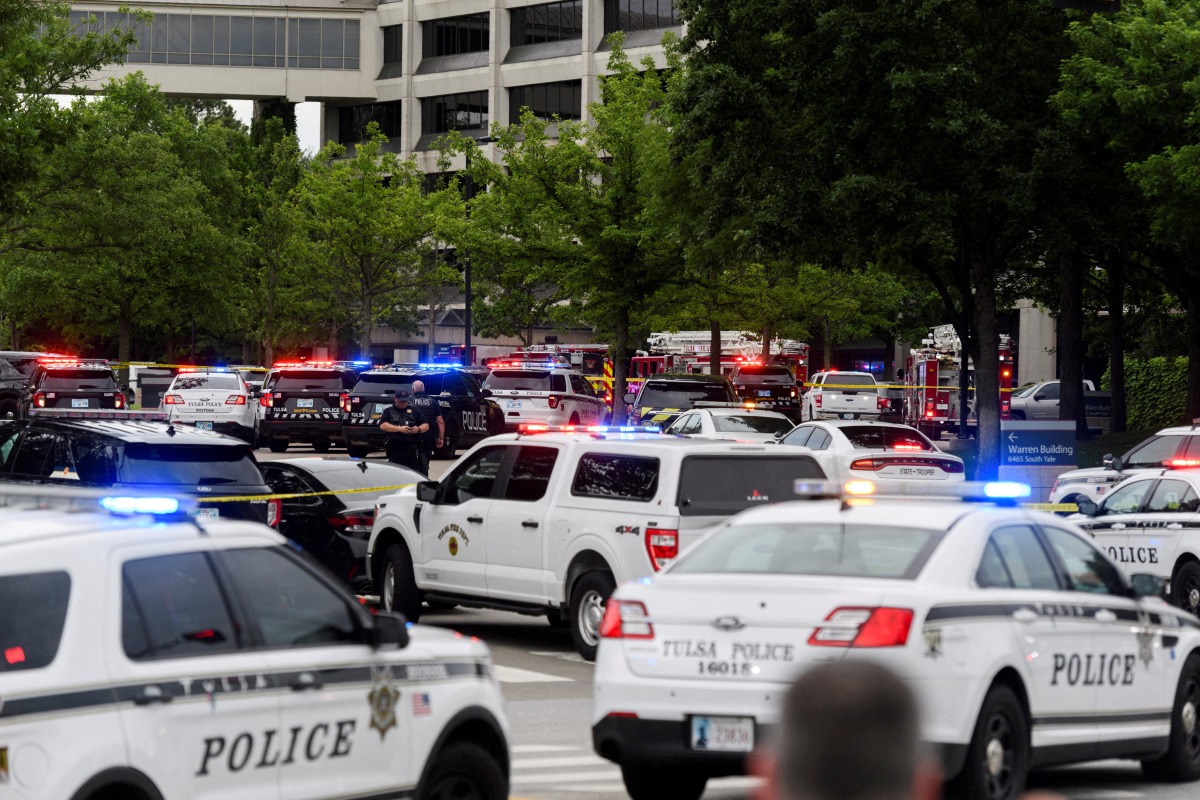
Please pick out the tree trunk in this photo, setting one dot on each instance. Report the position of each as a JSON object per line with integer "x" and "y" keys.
{"x": 987, "y": 372}
{"x": 714, "y": 347}
{"x": 620, "y": 357}
{"x": 1192, "y": 411}
{"x": 828, "y": 345}
{"x": 767, "y": 334}
{"x": 364, "y": 341}
{"x": 124, "y": 332}
{"x": 1070, "y": 343}
{"x": 1118, "y": 414}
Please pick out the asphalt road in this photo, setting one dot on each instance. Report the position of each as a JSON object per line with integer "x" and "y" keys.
{"x": 548, "y": 688}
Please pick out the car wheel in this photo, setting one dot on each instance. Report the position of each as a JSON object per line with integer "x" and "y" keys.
{"x": 464, "y": 771}
{"x": 10, "y": 407}
{"x": 1182, "y": 760}
{"x": 450, "y": 447}
{"x": 278, "y": 445}
{"x": 397, "y": 585}
{"x": 998, "y": 755}
{"x": 588, "y": 597}
{"x": 656, "y": 782}
{"x": 1185, "y": 587}
{"x": 321, "y": 447}
{"x": 357, "y": 451}
{"x": 1017, "y": 414}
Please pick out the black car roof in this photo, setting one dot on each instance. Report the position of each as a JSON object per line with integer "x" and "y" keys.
{"x": 139, "y": 431}
{"x": 698, "y": 378}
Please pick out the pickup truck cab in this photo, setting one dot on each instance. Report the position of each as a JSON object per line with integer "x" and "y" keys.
{"x": 842, "y": 395}
{"x": 1040, "y": 401}
{"x": 550, "y": 523}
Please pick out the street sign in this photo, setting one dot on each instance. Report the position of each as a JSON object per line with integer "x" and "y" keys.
{"x": 1039, "y": 443}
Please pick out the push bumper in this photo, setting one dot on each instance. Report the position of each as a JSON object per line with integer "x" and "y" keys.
{"x": 629, "y": 740}
{"x": 302, "y": 430}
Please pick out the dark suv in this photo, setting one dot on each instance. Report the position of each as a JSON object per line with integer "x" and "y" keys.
{"x": 130, "y": 451}
{"x": 303, "y": 403}
{"x": 75, "y": 384}
{"x": 468, "y": 415}
{"x": 664, "y": 397}
{"x": 768, "y": 386}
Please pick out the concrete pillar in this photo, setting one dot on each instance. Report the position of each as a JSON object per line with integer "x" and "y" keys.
{"x": 593, "y": 37}
{"x": 1036, "y": 355}
{"x": 410, "y": 113}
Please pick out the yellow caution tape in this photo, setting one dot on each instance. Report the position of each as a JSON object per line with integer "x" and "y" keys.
{"x": 1052, "y": 506}
{"x": 241, "y": 498}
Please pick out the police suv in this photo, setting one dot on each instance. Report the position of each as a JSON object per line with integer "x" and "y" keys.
{"x": 65, "y": 382}
{"x": 1151, "y": 523}
{"x": 1025, "y": 645}
{"x": 147, "y": 656}
{"x": 302, "y": 402}
{"x": 550, "y": 522}
{"x": 1170, "y": 447}
{"x": 544, "y": 392}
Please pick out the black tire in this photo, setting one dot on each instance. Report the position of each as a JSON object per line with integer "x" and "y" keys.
{"x": 588, "y": 597}
{"x": 1185, "y": 587}
{"x": 10, "y": 407}
{"x": 464, "y": 771}
{"x": 397, "y": 584}
{"x": 441, "y": 605}
{"x": 321, "y": 447}
{"x": 1018, "y": 415}
{"x": 656, "y": 782}
{"x": 450, "y": 445}
{"x": 1182, "y": 760}
{"x": 357, "y": 451}
{"x": 277, "y": 445}
{"x": 998, "y": 755}
{"x": 557, "y": 620}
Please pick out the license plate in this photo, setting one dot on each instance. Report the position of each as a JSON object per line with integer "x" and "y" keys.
{"x": 78, "y": 403}
{"x": 204, "y": 426}
{"x": 204, "y": 513}
{"x": 723, "y": 734}
{"x": 846, "y": 416}
{"x": 943, "y": 406}
{"x": 512, "y": 403}
{"x": 914, "y": 472}
{"x": 764, "y": 392}
{"x": 304, "y": 402}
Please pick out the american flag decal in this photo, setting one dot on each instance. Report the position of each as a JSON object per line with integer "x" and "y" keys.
{"x": 421, "y": 707}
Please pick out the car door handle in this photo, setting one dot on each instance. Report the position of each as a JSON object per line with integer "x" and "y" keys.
{"x": 474, "y": 519}
{"x": 1025, "y": 615}
{"x": 529, "y": 524}
{"x": 1118, "y": 526}
{"x": 1105, "y": 615}
{"x": 149, "y": 695}
{"x": 306, "y": 681}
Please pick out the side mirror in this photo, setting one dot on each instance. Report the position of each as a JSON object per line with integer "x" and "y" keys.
{"x": 630, "y": 398}
{"x": 1146, "y": 585}
{"x": 427, "y": 491}
{"x": 1108, "y": 460}
{"x": 485, "y": 393}
{"x": 1039, "y": 396}
{"x": 1118, "y": 464}
{"x": 391, "y": 629}
{"x": 1087, "y": 507}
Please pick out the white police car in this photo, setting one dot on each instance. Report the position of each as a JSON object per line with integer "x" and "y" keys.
{"x": 1170, "y": 447}
{"x": 1151, "y": 524}
{"x": 145, "y": 658}
{"x": 212, "y": 399}
{"x": 543, "y": 392}
{"x": 1025, "y": 645}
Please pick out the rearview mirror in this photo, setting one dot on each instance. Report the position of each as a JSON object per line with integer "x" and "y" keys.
{"x": 630, "y": 398}
{"x": 427, "y": 491}
{"x": 1108, "y": 460}
{"x": 1146, "y": 585}
{"x": 391, "y": 629}
{"x": 1118, "y": 463}
{"x": 1087, "y": 507}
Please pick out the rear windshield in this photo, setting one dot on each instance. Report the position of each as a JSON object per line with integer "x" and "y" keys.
{"x": 376, "y": 384}
{"x": 659, "y": 394}
{"x": 730, "y": 423}
{"x": 528, "y": 380}
{"x": 870, "y": 437}
{"x": 799, "y": 548}
{"x": 615, "y": 476}
{"x": 723, "y": 485}
{"x": 329, "y": 380}
{"x": 773, "y": 375}
{"x": 838, "y": 380}
{"x": 222, "y": 382}
{"x": 79, "y": 379}
{"x": 35, "y": 608}
{"x": 189, "y": 465}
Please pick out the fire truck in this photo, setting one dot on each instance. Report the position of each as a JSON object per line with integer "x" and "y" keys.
{"x": 931, "y": 383}
{"x": 688, "y": 351}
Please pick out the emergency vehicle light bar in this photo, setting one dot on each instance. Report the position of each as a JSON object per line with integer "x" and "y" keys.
{"x": 204, "y": 369}
{"x": 105, "y": 414}
{"x": 970, "y": 491}
{"x": 524, "y": 364}
{"x": 541, "y": 427}
{"x": 34, "y": 497}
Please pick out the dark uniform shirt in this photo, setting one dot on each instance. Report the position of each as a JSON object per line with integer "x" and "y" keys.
{"x": 431, "y": 409}
{"x": 403, "y": 416}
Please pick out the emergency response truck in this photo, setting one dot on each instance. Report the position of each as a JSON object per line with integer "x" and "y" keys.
{"x": 931, "y": 383}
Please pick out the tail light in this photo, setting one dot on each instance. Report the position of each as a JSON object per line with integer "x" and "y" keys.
{"x": 119, "y": 400}
{"x": 864, "y": 627}
{"x": 880, "y": 403}
{"x": 352, "y": 524}
{"x": 274, "y": 512}
{"x": 39, "y": 399}
{"x": 929, "y": 411}
{"x": 793, "y": 392}
{"x": 344, "y": 401}
{"x": 876, "y": 464}
{"x": 235, "y": 400}
{"x": 265, "y": 400}
{"x": 662, "y": 545}
{"x": 554, "y": 400}
{"x": 173, "y": 400}
{"x": 626, "y": 619}
{"x": 817, "y": 400}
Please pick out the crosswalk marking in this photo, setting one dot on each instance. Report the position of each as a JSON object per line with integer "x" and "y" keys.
{"x": 542, "y": 748}
{"x": 565, "y": 778}
{"x": 560, "y": 655}
{"x": 516, "y": 675}
{"x": 576, "y": 761}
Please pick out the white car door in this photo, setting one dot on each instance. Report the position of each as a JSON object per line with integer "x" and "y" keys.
{"x": 517, "y": 528}
{"x": 1119, "y": 519}
{"x": 1169, "y": 528}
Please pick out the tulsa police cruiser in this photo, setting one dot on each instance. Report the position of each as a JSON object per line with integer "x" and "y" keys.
{"x": 145, "y": 658}
{"x": 1024, "y": 643}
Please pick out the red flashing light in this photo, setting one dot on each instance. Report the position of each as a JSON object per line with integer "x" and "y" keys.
{"x": 14, "y": 655}
{"x": 1183, "y": 463}
{"x": 907, "y": 446}
{"x": 663, "y": 546}
{"x": 533, "y": 427}
{"x": 864, "y": 627}
{"x": 235, "y": 400}
{"x": 626, "y": 619}
{"x": 288, "y": 364}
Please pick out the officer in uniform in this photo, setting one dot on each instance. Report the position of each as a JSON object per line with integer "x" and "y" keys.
{"x": 405, "y": 427}
{"x": 431, "y": 409}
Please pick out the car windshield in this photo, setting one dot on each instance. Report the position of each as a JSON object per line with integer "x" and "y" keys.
{"x": 750, "y": 423}
{"x": 189, "y": 465}
{"x": 329, "y": 380}
{"x": 377, "y": 384}
{"x": 800, "y": 548}
{"x": 79, "y": 379}
{"x": 222, "y": 382}
{"x": 1025, "y": 391}
{"x": 660, "y": 394}
{"x": 527, "y": 380}
{"x": 879, "y": 437}
{"x": 771, "y": 375}
{"x": 1152, "y": 452}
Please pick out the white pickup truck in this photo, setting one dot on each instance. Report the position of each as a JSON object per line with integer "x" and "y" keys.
{"x": 842, "y": 395}
{"x": 1040, "y": 401}
{"x": 550, "y": 523}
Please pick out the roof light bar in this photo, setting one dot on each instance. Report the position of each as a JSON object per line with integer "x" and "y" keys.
{"x": 542, "y": 427}
{"x": 118, "y": 415}
{"x": 140, "y": 505}
{"x": 36, "y": 498}
{"x": 969, "y": 491}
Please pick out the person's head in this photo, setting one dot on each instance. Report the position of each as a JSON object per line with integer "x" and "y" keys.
{"x": 401, "y": 398}
{"x": 418, "y": 387}
{"x": 849, "y": 730}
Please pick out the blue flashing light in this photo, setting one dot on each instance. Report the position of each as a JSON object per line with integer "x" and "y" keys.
{"x": 361, "y": 363}
{"x": 140, "y": 505}
{"x": 1006, "y": 490}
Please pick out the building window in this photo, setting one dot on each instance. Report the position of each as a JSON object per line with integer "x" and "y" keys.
{"x": 638, "y": 15}
{"x": 393, "y": 51}
{"x": 552, "y": 22}
{"x": 456, "y": 35}
{"x": 454, "y": 112}
{"x": 353, "y": 121}
{"x": 228, "y": 41}
{"x": 546, "y": 100}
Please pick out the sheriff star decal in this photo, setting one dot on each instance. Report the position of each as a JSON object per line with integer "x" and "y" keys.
{"x": 1145, "y": 639}
{"x": 382, "y": 699}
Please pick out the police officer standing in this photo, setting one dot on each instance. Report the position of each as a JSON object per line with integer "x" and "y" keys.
{"x": 405, "y": 427}
{"x": 431, "y": 409}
